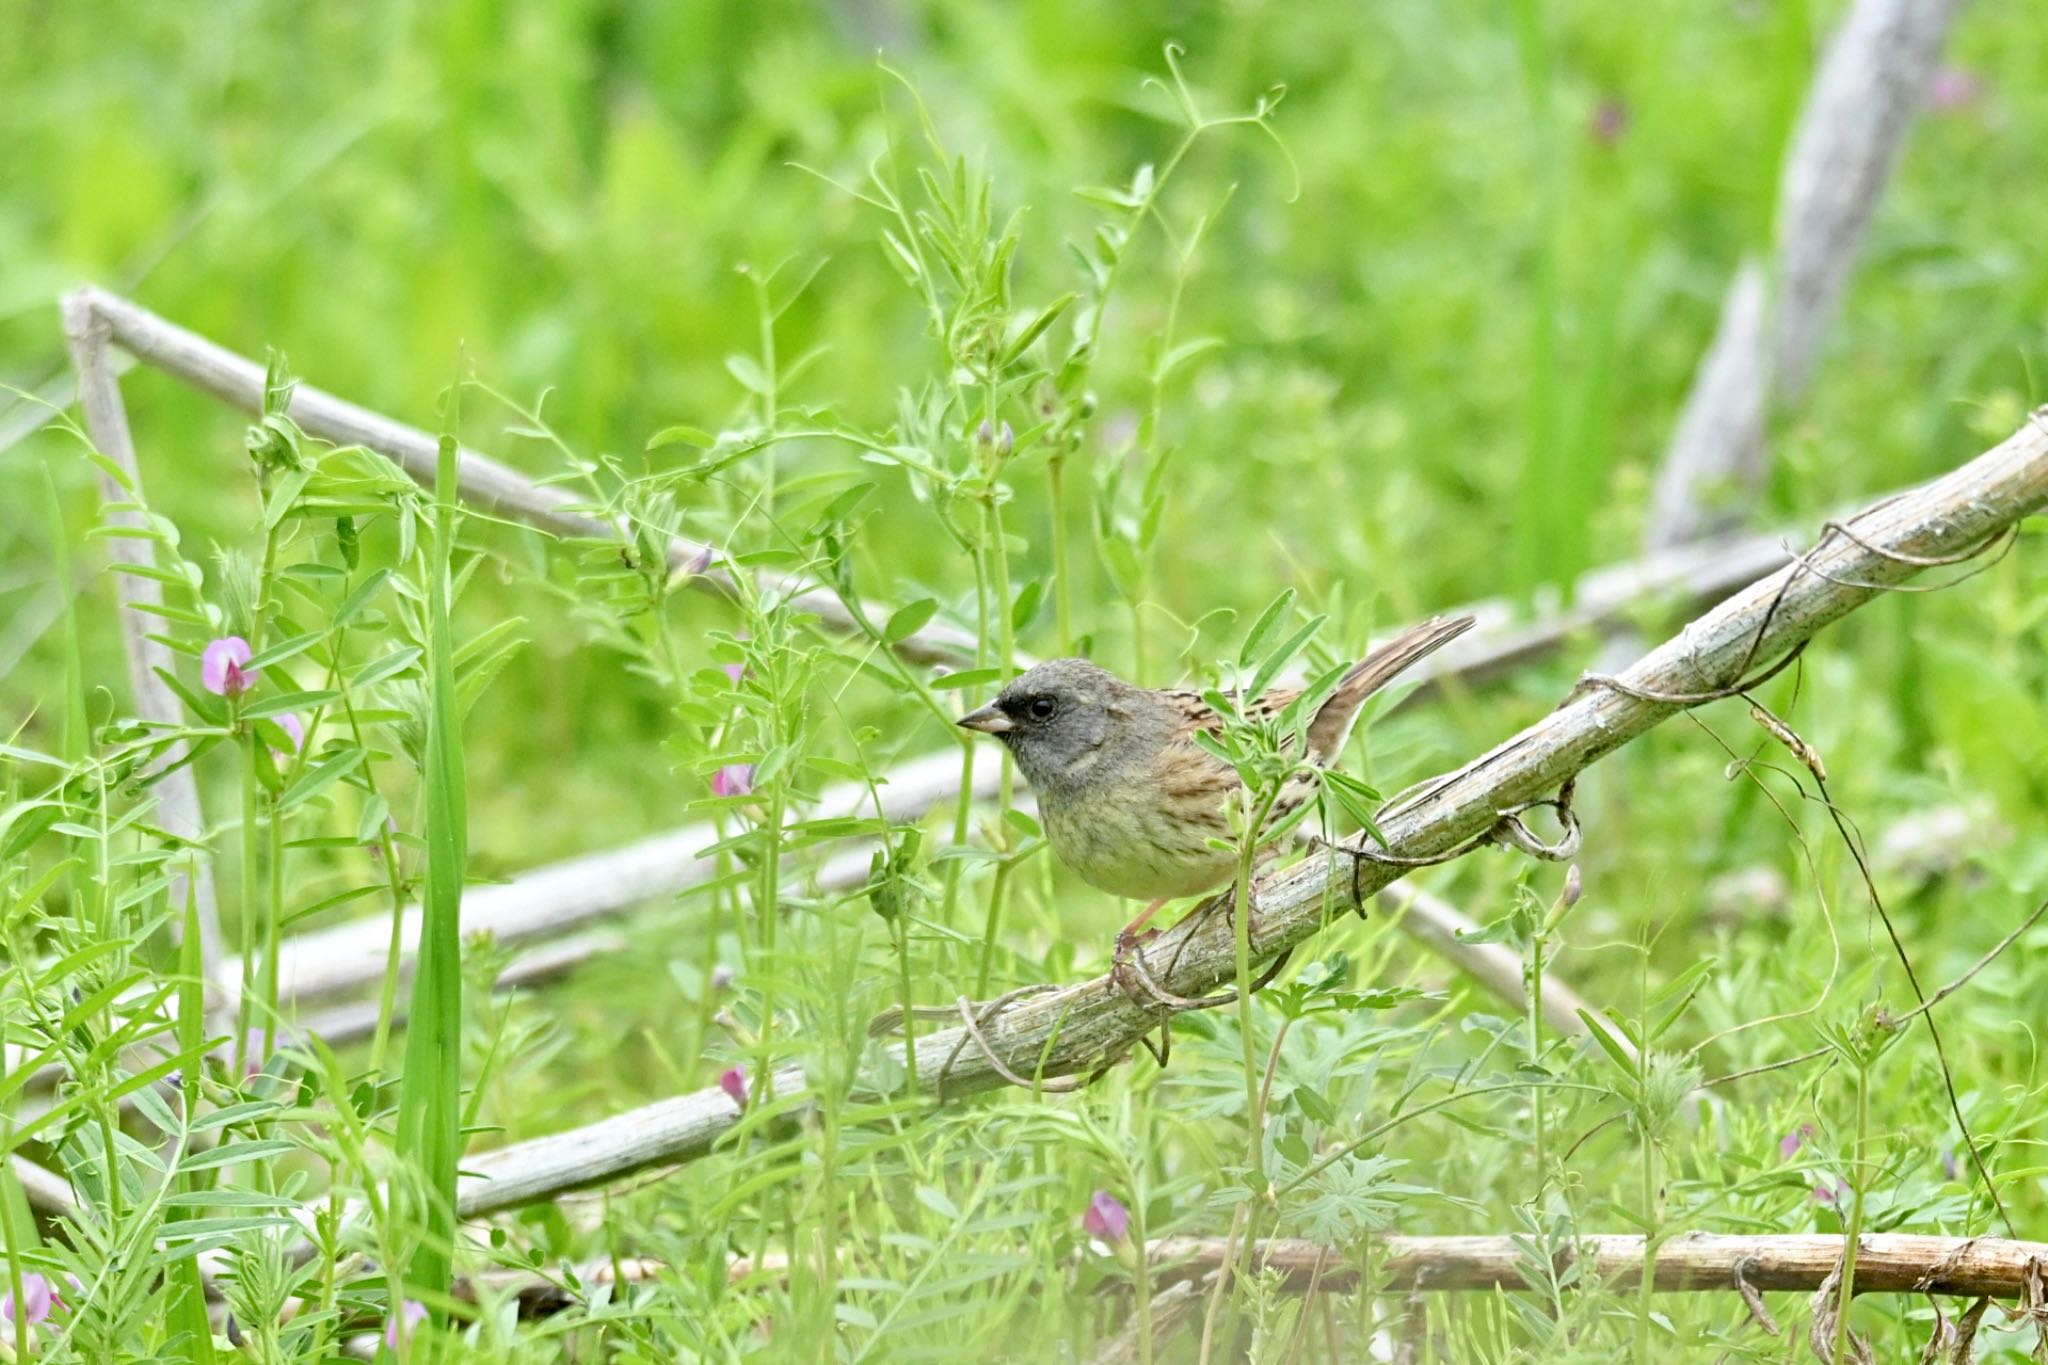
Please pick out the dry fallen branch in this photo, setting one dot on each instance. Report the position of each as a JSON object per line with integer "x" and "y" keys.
{"x": 44, "y": 1188}
{"x": 1081, "y": 1028}
{"x": 238, "y": 381}
{"x": 1893, "y": 1262}
{"x": 1900, "y": 1263}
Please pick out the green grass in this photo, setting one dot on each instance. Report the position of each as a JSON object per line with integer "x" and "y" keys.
{"x": 1411, "y": 336}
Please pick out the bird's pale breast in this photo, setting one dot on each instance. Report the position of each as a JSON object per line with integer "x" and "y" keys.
{"x": 1119, "y": 837}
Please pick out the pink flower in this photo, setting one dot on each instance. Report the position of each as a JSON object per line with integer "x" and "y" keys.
{"x": 1106, "y": 1220}
{"x": 411, "y": 1314}
{"x": 1609, "y": 121}
{"x": 733, "y": 1081}
{"x": 1952, "y": 88}
{"x": 294, "y": 730}
{"x": 1789, "y": 1145}
{"x": 38, "y": 1297}
{"x": 1836, "y": 1195}
{"x": 223, "y": 667}
{"x": 734, "y": 779}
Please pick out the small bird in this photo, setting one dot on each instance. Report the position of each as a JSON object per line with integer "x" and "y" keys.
{"x": 1129, "y": 801}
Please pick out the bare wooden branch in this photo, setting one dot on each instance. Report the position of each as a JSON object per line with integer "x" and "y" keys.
{"x": 177, "y": 791}
{"x": 46, "y": 1190}
{"x": 1892, "y": 1262}
{"x": 1901, "y": 1263}
{"x": 559, "y": 896}
{"x": 1864, "y": 94}
{"x": 238, "y": 381}
{"x": 1091, "y": 1025}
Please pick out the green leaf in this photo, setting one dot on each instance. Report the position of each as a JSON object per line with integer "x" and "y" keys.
{"x": 1268, "y": 620}
{"x": 907, "y": 621}
{"x": 1283, "y": 656}
{"x": 283, "y": 496}
{"x": 748, "y": 371}
{"x": 319, "y": 778}
{"x": 1617, "y": 1053}
{"x": 966, "y": 677}
{"x": 289, "y": 701}
{"x": 359, "y": 598}
{"x": 1035, "y": 328}
{"x": 230, "y": 1153}
{"x": 385, "y": 666}
{"x": 284, "y": 649}
{"x": 681, "y": 435}
{"x": 1030, "y": 598}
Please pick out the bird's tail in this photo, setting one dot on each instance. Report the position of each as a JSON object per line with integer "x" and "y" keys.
{"x": 1327, "y": 732}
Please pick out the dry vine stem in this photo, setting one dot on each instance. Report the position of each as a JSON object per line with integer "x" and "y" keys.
{"x": 1093, "y": 1024}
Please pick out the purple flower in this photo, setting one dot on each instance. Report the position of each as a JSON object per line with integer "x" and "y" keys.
{"x": 1950, "y": 1167}
{"x": 411, "y": 1313}
{"x": 721, "y": 977}
{"x": 1952, "y": 88}
{"x": 38, "y": 1297}
{"x": 1835, "y": 1195}
{"x": 733, "y": 1081}
{"x": 1789, "y": 1145}
{"x": 734, "y": 779}
{"x": 1609, "y": 121}
{"x": 294, "y": 730}
{"x": 1106, "y": 1220}
{"x": 223, "y": 668}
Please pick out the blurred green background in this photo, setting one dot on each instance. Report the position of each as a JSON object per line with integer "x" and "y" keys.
{"x": 1456, "y": 316}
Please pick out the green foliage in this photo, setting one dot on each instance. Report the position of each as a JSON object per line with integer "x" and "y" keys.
{"x": 1011, "y": 341}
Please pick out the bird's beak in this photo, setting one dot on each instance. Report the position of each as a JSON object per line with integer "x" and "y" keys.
{"x": 988, "y": 720}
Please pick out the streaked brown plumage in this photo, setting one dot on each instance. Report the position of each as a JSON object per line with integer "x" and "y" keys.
{"x": 1127, "y": 798}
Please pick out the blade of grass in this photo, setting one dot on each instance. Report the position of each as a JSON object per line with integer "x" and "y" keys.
{"x": 429, "y": 1094}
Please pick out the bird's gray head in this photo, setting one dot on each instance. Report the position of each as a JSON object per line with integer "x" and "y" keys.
{"x": 1067, "y": 718}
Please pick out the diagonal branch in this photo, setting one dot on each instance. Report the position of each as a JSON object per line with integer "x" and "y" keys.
{"x": 1091, "y": 1025}
{"x": 238, "y": 381}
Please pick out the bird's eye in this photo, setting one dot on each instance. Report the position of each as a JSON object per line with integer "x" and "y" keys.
{"x": 1041, "y": 708}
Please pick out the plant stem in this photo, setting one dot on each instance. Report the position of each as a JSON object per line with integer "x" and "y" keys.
{"x": 250, "y": 902}
{"x": 274, "y": 930}
{"x": 1649, "y": 1277}
{"x": 1055, "y": 478}
{"x": 1853, "y": 1234}
{"x": 1007, "y": 643}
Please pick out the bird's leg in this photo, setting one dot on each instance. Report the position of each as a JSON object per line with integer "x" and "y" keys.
{"x": 1127, "y": 942}
{"x": 1127, "y": 937}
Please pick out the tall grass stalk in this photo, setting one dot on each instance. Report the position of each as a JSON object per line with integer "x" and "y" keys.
{"x": 430, "y": 1091}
